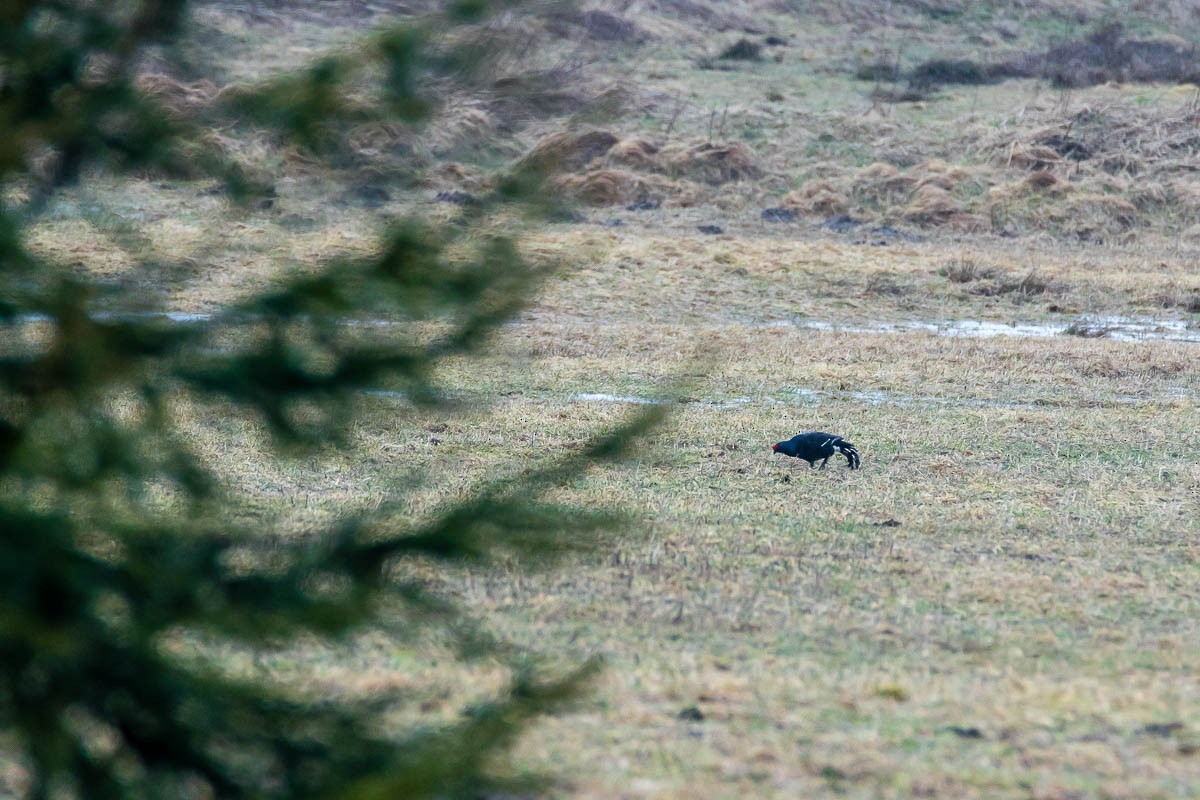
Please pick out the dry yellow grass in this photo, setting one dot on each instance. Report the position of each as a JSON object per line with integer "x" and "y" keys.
{"x": 1022, "y": 629}
{"x": 1028, "y": 618}
{"x": 763, "y": 275}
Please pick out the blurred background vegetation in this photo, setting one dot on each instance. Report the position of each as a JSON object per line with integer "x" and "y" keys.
{"x": 138, "y": 593}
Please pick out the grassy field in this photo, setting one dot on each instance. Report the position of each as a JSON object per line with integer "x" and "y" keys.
{"x": 1002, "y": 603}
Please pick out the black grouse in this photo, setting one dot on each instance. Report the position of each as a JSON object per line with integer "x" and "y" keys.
{"x": 817, "y": 445}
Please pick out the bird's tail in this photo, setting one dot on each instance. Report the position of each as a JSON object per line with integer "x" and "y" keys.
{"x": 850, "y": 452}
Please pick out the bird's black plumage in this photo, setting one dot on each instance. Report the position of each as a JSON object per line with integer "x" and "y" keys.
{"x": 818, "y": 445}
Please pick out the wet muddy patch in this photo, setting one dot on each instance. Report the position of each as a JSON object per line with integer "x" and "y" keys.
{"x": 1119, "y": 328}
{"x": 1124, "y": 329}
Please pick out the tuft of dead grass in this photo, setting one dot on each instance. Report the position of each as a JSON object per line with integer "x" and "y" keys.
{"x": 182, "y": 98}
{"x": 599, "y": 168}
{"x": 818, "y": 197}
{"x": 607, "y": 186}
{"x": 636, "y": 152}
{"x": 1043, "y": 180}
{"x": 710, "y": 163}
{"x": 882, "y": 186}
{"x": 1086, "y": 213}
{"x": 932, "y": 204}
{"x": 570, "y": 150}
{"x": 967, "y": 270}
{"x": 991, "y": 281}
{"x": 1031, "y": 156}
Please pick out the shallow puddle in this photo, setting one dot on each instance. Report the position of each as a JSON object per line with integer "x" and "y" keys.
{"x": 1125, "y": 329}
{"x": 601, "y": 397}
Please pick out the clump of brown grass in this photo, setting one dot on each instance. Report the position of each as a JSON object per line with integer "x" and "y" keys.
{"x": 569, "y": 150}
{"x": 1042, "y": 180}
{"x": 966, "y": 270}
{"x": 932, "y": 192}
{"x": 1030, "y": 156}
{"x": 1035, "y": 202}
{"x": 882, "y": 186}
{"x": 1178, "y": 198}
{"x": 685, "y": 194}
{"x": 1174, "y": 297}
{"x": 607, "y": 186}
{"x": 878, "y": 172}
{"x": 712, "y": 163}
{"x": 1030, "y": 284}
{"x": 932, "y": 204}
{"x": 1123, "y": 138}
{"x": 1087, "y": 213}
{"x": 461, "y": 125}
{"x": 937, "y": 167}
{"x": 991, "y": 281}
{"x": 818, "y": 197}
{"x": 599, "y": 168}
{"x": 636, "y": 152}
{"x": 886, "y": 283}
{"x": 1088, "y": 329}
{"x": 177, "y": 97}
{"x": 943, "y": 182}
